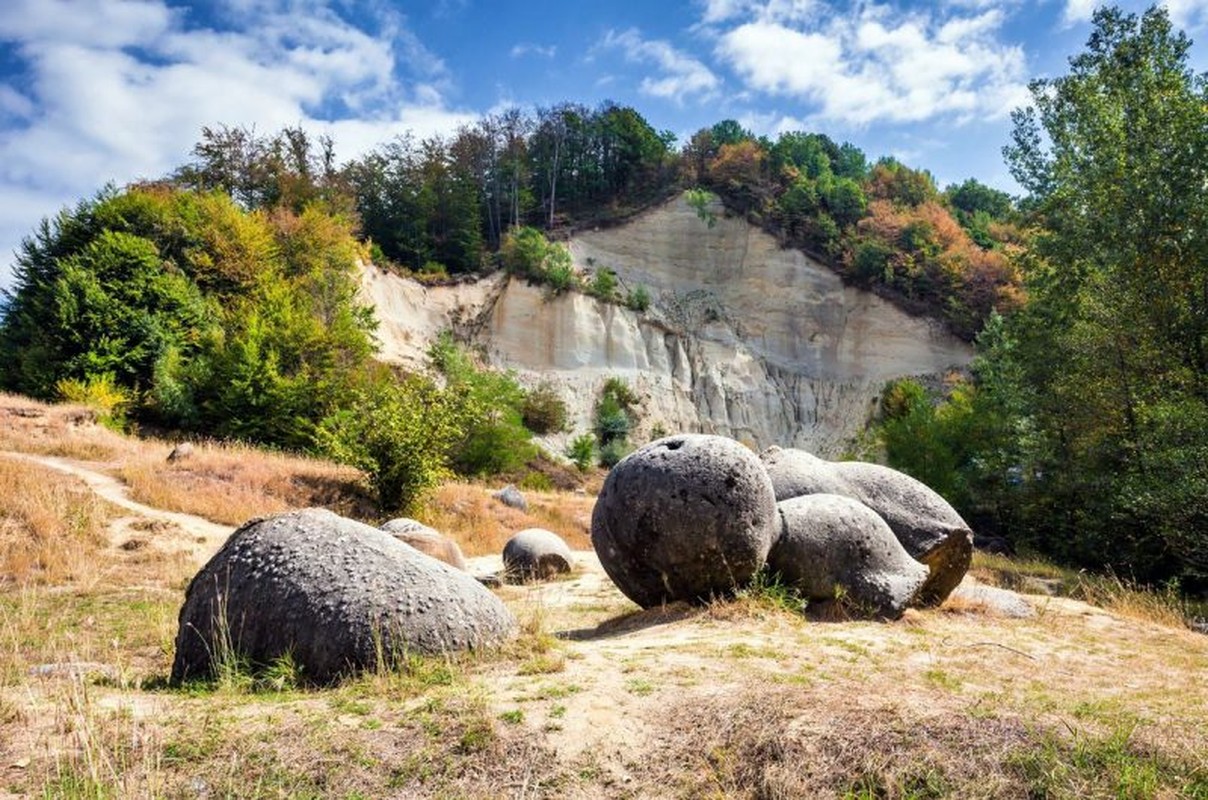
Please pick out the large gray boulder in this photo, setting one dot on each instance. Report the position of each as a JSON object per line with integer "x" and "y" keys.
{"x": 687, "y": 517}
{"x": 832, "y": 546}
{"x": 536, "y": 554}
{"x": 927, "y": 526}
{"x": 426, "y": 540}
{"x": 337, "y": 595}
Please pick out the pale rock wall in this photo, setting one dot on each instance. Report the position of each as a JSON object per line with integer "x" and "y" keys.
{"x": 743, "y": 338}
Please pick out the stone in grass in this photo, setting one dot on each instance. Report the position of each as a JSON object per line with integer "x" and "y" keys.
{"x": 686, "y": 517}
{"x": 536, "y": 554}
{"x": 835, "y": 547}
{"x": 336, "y": 595}
{"x": 926, "y": 525}
{"x": 426, "y": 540}
{"x": 511, "y": 497}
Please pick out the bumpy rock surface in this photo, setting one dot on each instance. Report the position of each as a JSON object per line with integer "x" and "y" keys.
{"x": 426, "y": 540}
{"x": 536, "y": 554}
{"x": 831, "y": 546}
{"x": 686, "y": 517}
{"x": 926, "y": 525}
{"x": 334, "y": 593}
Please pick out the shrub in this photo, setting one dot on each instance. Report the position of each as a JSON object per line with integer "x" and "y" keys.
{"x": 582, "y": 451}
{"x": 638, "y": 298}
{"x": 543, "y": 410}
{"x": 492, "y": 436}
{"x": 398, "y": 435}
{"x": 101, "y": 394}
{"x": 603, "y": 285}
{"x": 613, "y": 452}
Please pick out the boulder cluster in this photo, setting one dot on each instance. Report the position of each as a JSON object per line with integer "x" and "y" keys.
{"x": 338, "y": 596}
{"x": 693, "y": 517}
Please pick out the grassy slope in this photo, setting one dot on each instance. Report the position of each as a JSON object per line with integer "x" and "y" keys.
{"x": 741, "y": 699}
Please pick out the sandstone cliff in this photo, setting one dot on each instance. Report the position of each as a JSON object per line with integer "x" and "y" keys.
{"x": 743, "y": 338}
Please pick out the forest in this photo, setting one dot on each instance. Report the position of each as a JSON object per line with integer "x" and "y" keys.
{"x": 221, "y": 299}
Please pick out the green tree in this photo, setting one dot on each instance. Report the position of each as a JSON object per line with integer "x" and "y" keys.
{"x": 1115, "y": 342}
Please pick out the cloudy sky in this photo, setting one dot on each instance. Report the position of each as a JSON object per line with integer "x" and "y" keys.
{"x": 97, "y": 91}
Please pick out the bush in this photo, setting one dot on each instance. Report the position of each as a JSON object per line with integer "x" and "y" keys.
{"x": 613, "y": 452}
{"x": 493, "y": 437}
{"x": 398, "y": 435}
{"x": 582, "y": 451}
{"x": 101, "y": 394}
{"x": 604, "y": 285}
{"x": 543, "y": 410}
{"x": 638, "y": 298}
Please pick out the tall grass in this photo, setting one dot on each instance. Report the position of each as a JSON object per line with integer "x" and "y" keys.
{"x": 51, "y": 526}
{"x": 231, "y": 483}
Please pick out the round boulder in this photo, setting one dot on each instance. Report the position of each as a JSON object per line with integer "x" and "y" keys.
{"x": 536, "y": 554}
{"x": 686, "y": 517}
{"x": 832, "y": 546}
{"x": 926, "y": 525}
{"x": 336, "y": 595}
{"x": 426, "y": 540}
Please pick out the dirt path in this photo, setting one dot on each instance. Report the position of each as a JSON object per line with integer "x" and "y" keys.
{"x": 193, "y": 536}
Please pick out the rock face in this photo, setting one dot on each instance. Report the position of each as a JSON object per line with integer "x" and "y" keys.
{"x": 336, "y": 594}
{"x": 536, "y": 554}
{"x": 743, "y": 338}
{"x": 426, "y": 540}
{"x": 831, "y": 545}
{"x": 686, "y": 517}
{"x": 929, "y": 528}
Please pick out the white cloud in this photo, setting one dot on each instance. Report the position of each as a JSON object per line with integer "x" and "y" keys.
{"x": 525, "y": 49}
{"x": 875, "y": 63}
{"x": 117, "y": 90}
{"x": 1185, "y": 14}
{"x": 680, "y": 74}
{"x": 1079, "y": 10}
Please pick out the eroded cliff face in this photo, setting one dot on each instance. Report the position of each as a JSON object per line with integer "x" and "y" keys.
{"x": 742, "y": 338}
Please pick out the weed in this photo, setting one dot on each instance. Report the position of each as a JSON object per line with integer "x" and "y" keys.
{"x": 513, "y": 717}
{"x": 639, "y": 686}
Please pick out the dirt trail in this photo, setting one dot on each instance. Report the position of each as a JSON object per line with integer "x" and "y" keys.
{"x": 196, "y": 537}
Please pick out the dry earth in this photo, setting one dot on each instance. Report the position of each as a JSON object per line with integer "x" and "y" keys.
{"x": 599, "y": 699}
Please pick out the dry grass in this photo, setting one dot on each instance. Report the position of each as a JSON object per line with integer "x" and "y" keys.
{"x": 233, "y": 483}
{"x": 71, "y": 431}
{"x": 51, "y": 526}
{"x": 481, "y": 525}
{"x": 743, "y": 698}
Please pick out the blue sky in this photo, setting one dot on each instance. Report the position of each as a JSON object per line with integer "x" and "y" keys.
{"x": 96, "y": 91}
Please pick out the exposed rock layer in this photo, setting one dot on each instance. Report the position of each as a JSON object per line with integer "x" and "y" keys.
{"x": 743, "y": 338}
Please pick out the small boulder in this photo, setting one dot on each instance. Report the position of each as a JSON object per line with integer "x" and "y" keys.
{"x": 426, "y": 540}
{"x": 832, "y": 546}
{"x": 536, "y": 554}
{"x": 926, "y": 525}
{"x": 993, "y": 600}
{"x": 336, "y": 595}
{"x": 686, "y": 517}
{"x": 180, "y": 452}
{"x": 511, "y": 497}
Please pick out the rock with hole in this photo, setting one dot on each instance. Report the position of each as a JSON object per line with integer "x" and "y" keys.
{"x": 927, "y": 526}
{"x": 536, "y": 554}
{"x": 334, "y": 594}
{"x": 426, "y": 540}
{"x": 687, "y": 517}
{"x": 833, "y": 547}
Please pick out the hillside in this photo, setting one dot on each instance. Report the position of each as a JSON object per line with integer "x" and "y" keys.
{"x": 743, "y": 338}
{"x": 595, "y": 699}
